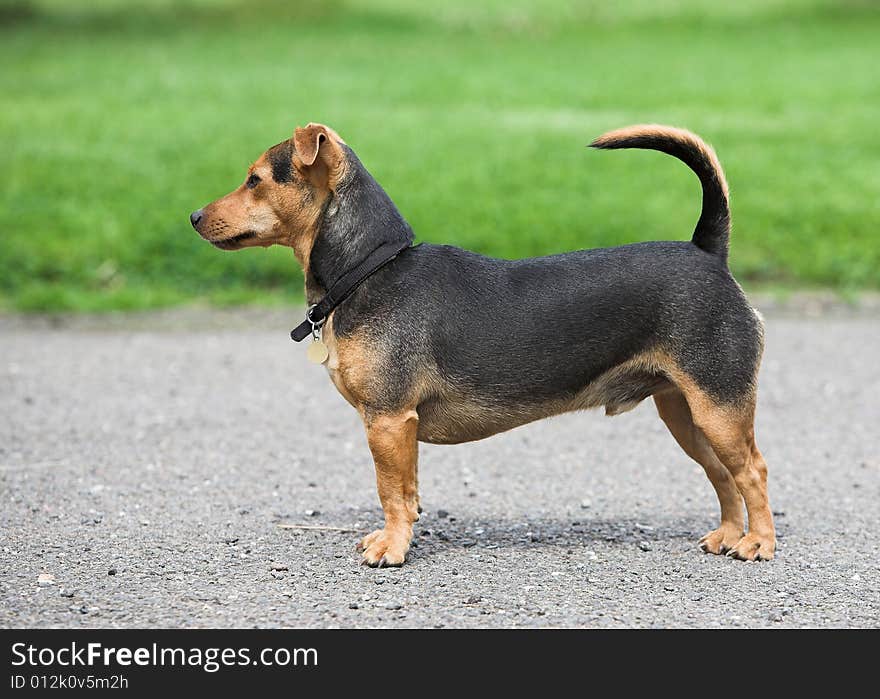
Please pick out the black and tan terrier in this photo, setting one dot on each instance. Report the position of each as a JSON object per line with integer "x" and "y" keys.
{"x": 443, "y": 345}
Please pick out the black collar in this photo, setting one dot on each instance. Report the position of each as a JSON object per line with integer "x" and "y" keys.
{"x": 347, "y": 283}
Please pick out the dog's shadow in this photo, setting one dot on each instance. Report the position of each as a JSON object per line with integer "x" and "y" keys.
{"x": 438, "y": 536}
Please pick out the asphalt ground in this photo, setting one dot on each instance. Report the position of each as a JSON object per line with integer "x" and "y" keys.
{"x": 146, "y": 463}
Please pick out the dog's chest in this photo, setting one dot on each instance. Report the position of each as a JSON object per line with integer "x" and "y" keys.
{"x": 339, "y": 368}
{"x": 331, "y": 364}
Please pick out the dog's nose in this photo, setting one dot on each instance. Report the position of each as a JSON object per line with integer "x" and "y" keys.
{"x": 195, "y": 217}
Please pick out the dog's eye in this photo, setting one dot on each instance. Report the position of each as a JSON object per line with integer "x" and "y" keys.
{"x": 252, "y": 181}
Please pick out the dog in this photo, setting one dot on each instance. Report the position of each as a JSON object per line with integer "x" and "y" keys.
{"x": 437, "y": 344}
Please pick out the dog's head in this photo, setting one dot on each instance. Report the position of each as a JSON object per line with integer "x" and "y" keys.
{"x": 282, "y": 197}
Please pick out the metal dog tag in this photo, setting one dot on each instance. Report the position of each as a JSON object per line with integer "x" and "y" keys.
{"x": 317, "y": 351}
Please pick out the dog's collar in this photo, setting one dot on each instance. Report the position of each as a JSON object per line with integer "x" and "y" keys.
{"x": 344, "y": 286}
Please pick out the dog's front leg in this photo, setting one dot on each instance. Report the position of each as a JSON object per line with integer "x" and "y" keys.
{"x": 394, "y": 445}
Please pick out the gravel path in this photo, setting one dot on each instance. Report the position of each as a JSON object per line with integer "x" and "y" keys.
{"x": 145, "y": 466}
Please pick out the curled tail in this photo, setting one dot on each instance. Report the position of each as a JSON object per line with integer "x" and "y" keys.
{"x": 712, "y": 233}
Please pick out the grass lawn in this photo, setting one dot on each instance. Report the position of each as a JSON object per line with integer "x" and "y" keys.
{"x": 119, "y": 117}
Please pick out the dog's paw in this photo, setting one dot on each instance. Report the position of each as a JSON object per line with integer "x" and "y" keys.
{"x": 384, "y": 548}
{"x": 754, "y": 547}
{"x": 721, "y": 540}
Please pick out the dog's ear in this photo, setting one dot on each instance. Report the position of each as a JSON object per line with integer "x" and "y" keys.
{"x": 319, "y": 149}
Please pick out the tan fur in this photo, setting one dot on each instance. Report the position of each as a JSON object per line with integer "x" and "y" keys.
{"x": 281, "y": 213}
{"x": 675, "y": 412}
{"x": 342, "y": 361}
{"x": 729, "y": 429}
{"x": 392, "y": 440}
{"x": 672, "y": 134}
{"x": 352, "y": 366}
{"x": 319, "y": 155}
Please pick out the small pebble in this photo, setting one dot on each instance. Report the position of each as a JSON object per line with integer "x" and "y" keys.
{"x": 353, "y": 605}
{"x": 394, "y": 605}
{"x": 279, "y": 566}
{"x": 645, "y": 546}
{"x": 312, "y": 513}
{"x": 64, "y": 592}
{"x": 112, "y": 571}
{"x": 474, "y": 599}
{"x": 442, "y": 514}
{"x": 45, "y": 579}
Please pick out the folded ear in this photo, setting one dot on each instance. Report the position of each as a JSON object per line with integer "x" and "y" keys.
{"x": 318, "y": 145}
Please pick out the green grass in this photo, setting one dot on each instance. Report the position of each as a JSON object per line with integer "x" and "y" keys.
{"x": 119, "y": 117}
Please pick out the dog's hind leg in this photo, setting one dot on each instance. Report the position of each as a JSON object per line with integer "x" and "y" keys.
{"x": 393, "y": 443}
{"x": 731, "y": 432}
{"x": 674, "y": 411}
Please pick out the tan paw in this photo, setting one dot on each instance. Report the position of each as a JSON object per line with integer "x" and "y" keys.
{"x": 384, "y": 548}
{"x": 721, "y": 540}
{"x": 754, "y": 547}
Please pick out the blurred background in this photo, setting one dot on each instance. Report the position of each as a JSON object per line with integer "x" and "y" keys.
{"x": 119, "y": 117}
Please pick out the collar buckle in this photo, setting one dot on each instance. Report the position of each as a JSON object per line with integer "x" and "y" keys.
{"x": 317, "y": 325}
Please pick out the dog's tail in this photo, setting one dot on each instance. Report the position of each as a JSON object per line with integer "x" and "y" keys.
{"x": 712, "y": 233}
